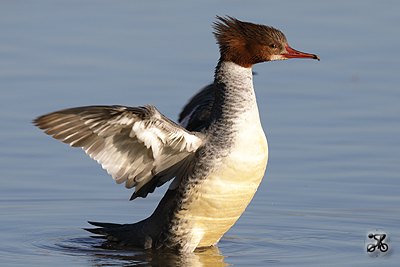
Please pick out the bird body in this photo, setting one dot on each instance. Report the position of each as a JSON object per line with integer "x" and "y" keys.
{"x": 235, "y": 157}
{"x": 217, "y": 156}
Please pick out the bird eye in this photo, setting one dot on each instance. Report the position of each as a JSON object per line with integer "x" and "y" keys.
{"x": 272, "y": 45}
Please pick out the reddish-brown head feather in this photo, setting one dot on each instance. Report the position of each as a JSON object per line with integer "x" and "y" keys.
{"x": 246, "y": 43}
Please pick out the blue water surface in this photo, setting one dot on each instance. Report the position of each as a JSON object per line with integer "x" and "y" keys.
{"x": 332, "y": 126}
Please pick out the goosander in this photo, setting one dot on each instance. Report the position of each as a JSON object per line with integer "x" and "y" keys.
{"x": 217, "y": 156}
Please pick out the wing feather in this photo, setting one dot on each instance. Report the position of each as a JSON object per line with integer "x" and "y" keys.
{"x": 137, "y": 146}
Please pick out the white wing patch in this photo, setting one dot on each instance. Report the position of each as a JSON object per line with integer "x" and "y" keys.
{"x": 132, "y": 144}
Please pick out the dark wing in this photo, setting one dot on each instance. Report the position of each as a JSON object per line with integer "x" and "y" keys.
{"x": 136, "y": 145}
{"x": 198, "y": 109}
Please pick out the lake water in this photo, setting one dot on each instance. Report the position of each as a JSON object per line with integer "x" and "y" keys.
{"x": 333, "y": 127}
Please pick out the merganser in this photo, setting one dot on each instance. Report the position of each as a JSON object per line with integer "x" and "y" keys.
{"x": 218, "y": 155}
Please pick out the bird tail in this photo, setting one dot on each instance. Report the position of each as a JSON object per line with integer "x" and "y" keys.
{"x": 130, "y": 235}
{"x": 144, "y": 234}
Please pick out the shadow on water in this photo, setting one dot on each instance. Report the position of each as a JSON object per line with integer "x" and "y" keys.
{"x": 101, "y": 253}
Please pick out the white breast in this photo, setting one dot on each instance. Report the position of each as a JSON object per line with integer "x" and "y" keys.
{"x": 225, "y": 194}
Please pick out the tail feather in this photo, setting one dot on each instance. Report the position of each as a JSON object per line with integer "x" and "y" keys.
{"x": 105, "y": 225}
{"x": 111, "y": 231}
{"x": 132, "y": 235}
{"x": 147, "y": 233}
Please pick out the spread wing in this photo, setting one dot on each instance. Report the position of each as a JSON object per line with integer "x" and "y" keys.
{"x": 136, "y": 145}
{"x": 198, "y": 109}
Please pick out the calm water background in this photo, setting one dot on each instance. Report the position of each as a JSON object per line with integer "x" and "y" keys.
{"x": 333, "y": 127}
